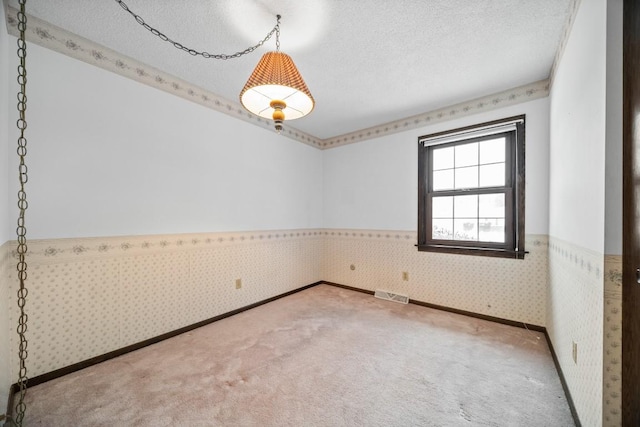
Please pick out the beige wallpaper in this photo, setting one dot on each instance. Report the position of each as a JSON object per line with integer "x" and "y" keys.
{"x": 575, "y": 309}
{"x": 506, "y": 288}
{"x": 6, "y": 329}
{"x": 612, "y": 357}
{"x": 91, "y": 296}
{"x": 94, "y": 295}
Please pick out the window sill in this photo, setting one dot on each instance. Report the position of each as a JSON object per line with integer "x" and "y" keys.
{"x": 463, "y": 250}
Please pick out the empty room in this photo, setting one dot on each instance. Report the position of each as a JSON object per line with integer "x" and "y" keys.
{"x": 319, "y": 213}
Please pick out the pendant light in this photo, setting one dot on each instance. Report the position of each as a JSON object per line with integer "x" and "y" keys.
{"x": 275, "y": 90}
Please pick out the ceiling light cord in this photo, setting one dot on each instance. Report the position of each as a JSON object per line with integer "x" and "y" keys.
{"x": 194, "y": 52}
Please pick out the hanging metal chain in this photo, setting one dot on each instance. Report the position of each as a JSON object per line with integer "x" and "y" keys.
{"x": 278, "y": 34}
{"x": 194, "y": 52}
{"x": 21, "y": 231}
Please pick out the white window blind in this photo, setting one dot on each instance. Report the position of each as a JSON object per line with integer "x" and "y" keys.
{"x": 471, "y": 133}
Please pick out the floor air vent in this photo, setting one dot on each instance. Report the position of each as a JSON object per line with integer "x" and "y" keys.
{"x": 404, "y": 299}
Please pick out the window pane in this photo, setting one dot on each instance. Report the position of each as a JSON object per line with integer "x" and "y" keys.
{"x": 443, "y": 180}
{"x": 472, "y": 190}
{"x": 465, "y": 229}
{"x": 442, "y": 207}
{"x": 443, "y": 158}
{"x": 492, "y": 175}
{"x": 492, "y": 151}
{"x": 467, "y": 177}
{"x": 442, "y": 229}
{"x": 466, "y": 206}
{"x": 466, "y": 154}
{"x": 491, "y": 205}
{"x": 491, "y": 230}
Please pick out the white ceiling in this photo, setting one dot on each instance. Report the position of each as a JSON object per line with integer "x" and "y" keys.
{"x": 365, "y": 62}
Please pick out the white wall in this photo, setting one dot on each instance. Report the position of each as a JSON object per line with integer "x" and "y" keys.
{"x": 374, "y": 184}
{"x": 579, "y": 129}
{"x": 613, "y": 164}
{"x": 578, "y": 106}
{"x": 6, "y": 100}
{"x": 4, "y": 212}
{"x": 109, "y": 156}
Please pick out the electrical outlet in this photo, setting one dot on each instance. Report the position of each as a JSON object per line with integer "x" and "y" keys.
{"x": 238, "y": 283}
{"x": 574, "y": 352}
{"x": 405, "y": 276}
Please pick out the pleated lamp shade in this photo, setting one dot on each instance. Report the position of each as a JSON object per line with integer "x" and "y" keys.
{"x": 275, "y": 90}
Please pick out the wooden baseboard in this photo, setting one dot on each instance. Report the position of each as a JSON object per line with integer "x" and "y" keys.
{"x": 536, "y": 328}
{"x": 98, "y": 359}
{"x": 494, "y": 319}
{"x": 12, "y": 393}
{"x": 565, "y": 387}
{"x": 451, "y": 310}
{"x": 104, "y": 357}
{"x": 350, "y": 288}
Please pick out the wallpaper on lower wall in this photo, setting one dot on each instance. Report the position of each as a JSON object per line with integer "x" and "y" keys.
{"x": 86, "y": 294}
{"x": 91, "y": 296}
{"x": 612, "y": 357}
{"x": 505, "y": 288}
{"x": 575, "y": 308}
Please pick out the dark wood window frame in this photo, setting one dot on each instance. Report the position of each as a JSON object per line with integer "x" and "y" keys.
{"x": 514, "y": 189}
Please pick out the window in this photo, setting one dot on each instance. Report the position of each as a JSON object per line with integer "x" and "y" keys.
{"x": 471, "y": 190}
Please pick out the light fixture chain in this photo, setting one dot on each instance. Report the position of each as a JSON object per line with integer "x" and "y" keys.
{"x": 21, "y": 230}
{"x": 278, "y": 35}
{"x": 195, "y": 52}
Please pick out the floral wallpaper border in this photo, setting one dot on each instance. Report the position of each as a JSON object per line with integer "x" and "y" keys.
{"x": 513, "y": 96}
{"x": 588, "y": 261}
{"x": 56, "y": 249}
{"x": 55, "y": 38}
{"x": 536, "y": 240}
{"x": 67, "y": 43}
{"x": 574, "y": 6}
{"x": 398, "y": 235}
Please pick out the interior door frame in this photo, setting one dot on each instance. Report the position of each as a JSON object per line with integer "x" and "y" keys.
{"x": 631, "y": 216}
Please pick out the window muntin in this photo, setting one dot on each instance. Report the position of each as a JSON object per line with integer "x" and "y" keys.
{"x": 472, "y": 190}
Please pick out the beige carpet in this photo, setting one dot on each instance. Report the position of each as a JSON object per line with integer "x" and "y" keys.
{"x": 322, "y": 357}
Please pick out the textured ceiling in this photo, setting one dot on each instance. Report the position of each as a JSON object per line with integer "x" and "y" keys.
{"x": 365, "y": 62}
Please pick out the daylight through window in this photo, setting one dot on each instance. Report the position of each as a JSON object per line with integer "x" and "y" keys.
{"x": 471, "y": 190}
